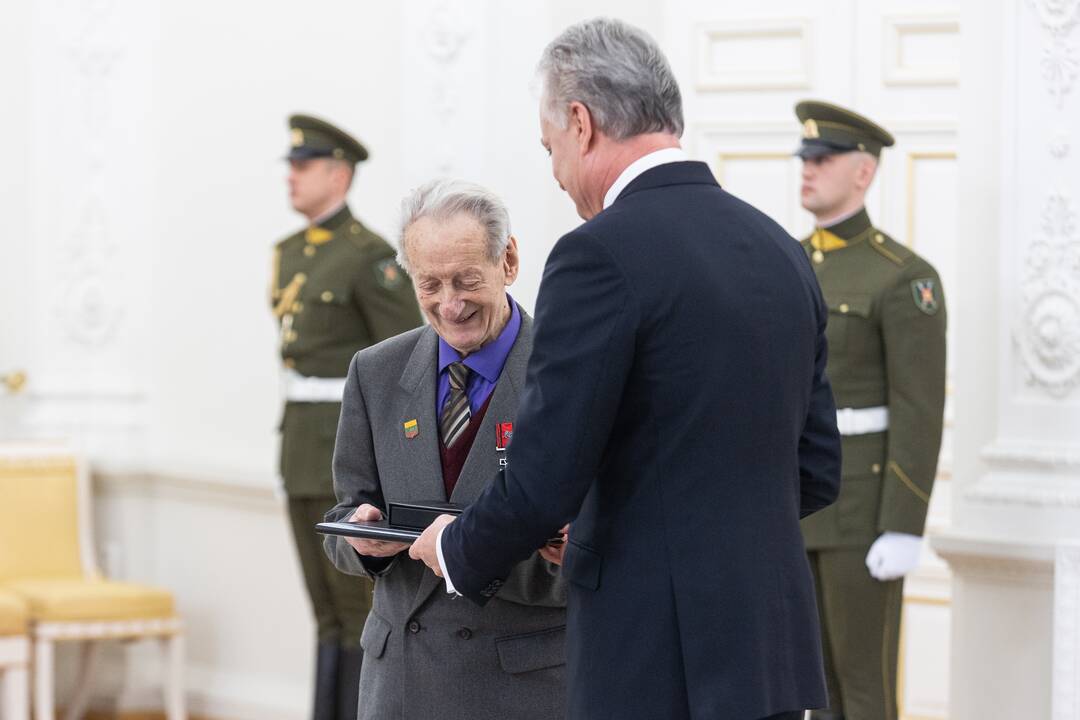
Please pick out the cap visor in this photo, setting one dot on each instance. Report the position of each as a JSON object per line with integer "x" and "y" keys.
{"x": 306, "y": 153}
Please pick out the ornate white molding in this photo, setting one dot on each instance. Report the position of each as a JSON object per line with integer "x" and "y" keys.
{"x": 995, "y": 561}
{"x": 895, "y": 69}
{"x": 1048, "y": 333}
{"x": 1065, "y": 698}
{"x": 1056, "y": 15}
{"x": 443, "y": 37}
{"x": 210, "y": 486}
{"x": 1019, "y": 453}
{"x": 793, "y": 35}
{"x": 1033, "y": 492}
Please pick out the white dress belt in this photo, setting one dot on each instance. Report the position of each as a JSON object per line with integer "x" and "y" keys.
{"x": 860, "y": 421}
{"x": 300, "y": 388}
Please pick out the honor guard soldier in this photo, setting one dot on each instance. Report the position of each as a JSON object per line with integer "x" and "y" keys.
{"x": 336, "y": 289}
{"x": 886, "y": 335}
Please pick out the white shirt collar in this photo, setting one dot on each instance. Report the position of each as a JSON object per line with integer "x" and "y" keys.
{"x": 643, "y": 163}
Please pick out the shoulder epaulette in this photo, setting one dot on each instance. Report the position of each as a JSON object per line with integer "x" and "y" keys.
{"x": 894, "y": 252}
{"x": 365, "y": 240}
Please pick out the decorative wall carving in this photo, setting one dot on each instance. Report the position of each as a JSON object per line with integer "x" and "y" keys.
{"x": 444, "y": 35}
{"x": 1048, "y": 335}
{"x": 89, "y": 308}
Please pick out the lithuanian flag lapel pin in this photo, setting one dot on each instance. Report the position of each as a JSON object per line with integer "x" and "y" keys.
{"x": 411, "y": 429}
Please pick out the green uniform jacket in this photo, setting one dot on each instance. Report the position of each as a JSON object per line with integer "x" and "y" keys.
{"x": 336, "y": 289}
{"x": 886, "y": 336}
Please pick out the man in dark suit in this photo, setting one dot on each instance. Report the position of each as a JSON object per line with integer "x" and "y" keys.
{"x": 675, "y": 409}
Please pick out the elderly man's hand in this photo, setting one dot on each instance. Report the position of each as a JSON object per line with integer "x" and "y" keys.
{"x": 553, "y": 552}
{"x": 373, "y": 548}
{"x": 424, "y": 547}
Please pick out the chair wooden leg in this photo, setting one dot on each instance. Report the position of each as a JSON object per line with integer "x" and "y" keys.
{"x": 43, "y": 680}
{"x": 175, "y": 702}
{"x": 14, "y": 693}
{"x": 91, "y": 651}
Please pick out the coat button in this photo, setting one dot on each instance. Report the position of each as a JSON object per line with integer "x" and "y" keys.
{"x": 464, "y": 633}
{"x": 309, "y": 250}
{"x": 819, "y": 257}
{"x": 327, "y": 296}
{"x": 879, "y": 238}
{"x": 844, "y": 307}
{"x": 414, "y": 627}
{"x": 875, "y": 468}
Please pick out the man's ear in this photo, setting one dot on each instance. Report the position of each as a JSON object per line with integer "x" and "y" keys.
{"x": 511, "y": 261}
{"x": 581, "y": 123}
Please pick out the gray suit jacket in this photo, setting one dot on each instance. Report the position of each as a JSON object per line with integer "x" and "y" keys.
{"x": 427, "y": 654}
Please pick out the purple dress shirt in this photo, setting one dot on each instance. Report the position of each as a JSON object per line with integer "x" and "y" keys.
{"x": 486, "y": 364}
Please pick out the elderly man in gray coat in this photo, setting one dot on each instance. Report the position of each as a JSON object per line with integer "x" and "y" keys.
{"x": 426, "y": 416}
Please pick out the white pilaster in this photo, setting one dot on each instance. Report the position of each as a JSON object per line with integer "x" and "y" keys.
{"x": 1017, "y": 507}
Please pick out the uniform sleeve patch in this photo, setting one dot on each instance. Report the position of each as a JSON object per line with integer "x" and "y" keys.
{"x": 925, "y": 294}
{"x": 388, "y": 274}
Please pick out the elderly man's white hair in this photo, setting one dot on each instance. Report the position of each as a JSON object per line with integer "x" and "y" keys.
{"x": 443, "y": 199}
{"x": 615, "y": 70}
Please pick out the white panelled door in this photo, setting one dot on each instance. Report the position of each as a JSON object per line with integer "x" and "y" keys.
{"x": 743, "y": 65}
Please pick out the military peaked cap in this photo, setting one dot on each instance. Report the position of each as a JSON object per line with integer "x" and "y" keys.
{"x": 830, "y": 129}
{"x": 311, "y": 137}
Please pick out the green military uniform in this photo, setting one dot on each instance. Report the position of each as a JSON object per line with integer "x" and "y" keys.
{"x": 336, "y": 289}
{"x": 886, "y": 336}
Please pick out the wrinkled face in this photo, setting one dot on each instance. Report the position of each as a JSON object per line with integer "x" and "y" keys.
{"x": 461, "y": 291}
{"x": 312, "y": 185}
{"x": 829, "y": 182}
{"x": 566, "y": 161}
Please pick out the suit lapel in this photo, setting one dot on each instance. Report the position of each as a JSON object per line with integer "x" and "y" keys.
{"x": 422, "y": 476}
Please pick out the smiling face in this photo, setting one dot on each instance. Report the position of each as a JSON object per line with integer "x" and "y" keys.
{"x": 461, "y": 291}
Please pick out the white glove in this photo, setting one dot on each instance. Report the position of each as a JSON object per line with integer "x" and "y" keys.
{"x": 893, "y": 555}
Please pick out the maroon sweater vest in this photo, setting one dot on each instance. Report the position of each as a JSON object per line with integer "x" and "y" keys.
{"x": 453, "y": 459}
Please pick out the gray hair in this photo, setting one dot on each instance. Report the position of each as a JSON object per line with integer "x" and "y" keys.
{"x": 615, "y": 70}
{"x": 443, "y": 199}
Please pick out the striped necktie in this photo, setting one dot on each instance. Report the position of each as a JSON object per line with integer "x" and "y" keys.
{"x": 455, "y": 415}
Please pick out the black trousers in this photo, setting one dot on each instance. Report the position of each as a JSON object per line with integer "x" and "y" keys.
{"x": 793, "y": 715}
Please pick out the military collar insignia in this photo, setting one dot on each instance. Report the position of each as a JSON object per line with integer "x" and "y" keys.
{"x": 924, "y": 293}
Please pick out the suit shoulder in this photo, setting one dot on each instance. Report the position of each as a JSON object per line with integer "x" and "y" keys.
{"x": 391, "y": 352}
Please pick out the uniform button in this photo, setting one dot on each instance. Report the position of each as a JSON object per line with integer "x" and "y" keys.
{"x": 464, "y": 633}
{"x": 875, "y": 468}
{"x": 290, "y": 363}
{"x": 309, "y": 250}
{"x": 355, "y": 229}
{"x": 879, "y": 238}
{"x": 414, "y": 627}
{"x": 290, "y": 336}
{"x": 327, "y": 296}
{"x": 844, "y": 307}
{"x": 819, "y": 257}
